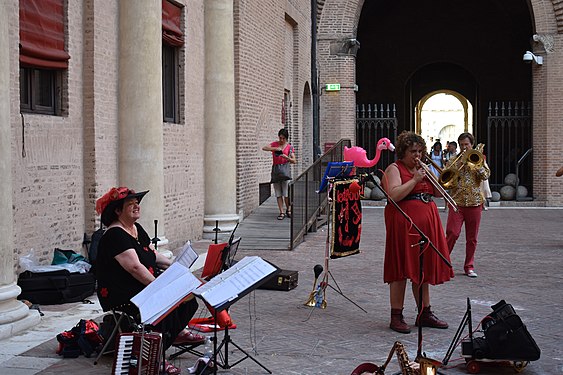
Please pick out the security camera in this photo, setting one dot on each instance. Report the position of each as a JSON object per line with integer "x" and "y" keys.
{"x": 529, "y": 57}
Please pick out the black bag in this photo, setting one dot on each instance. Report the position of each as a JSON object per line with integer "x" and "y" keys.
{"x": 93, "y": 248}
{"x": 280, "y": 172}
{"x": 56, "y": 287}
{"x": 507, "y": 337}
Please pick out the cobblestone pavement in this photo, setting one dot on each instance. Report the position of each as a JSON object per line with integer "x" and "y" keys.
{"x": 518, "y": 260}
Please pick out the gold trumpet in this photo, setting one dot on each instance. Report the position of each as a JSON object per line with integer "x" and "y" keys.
{"x": 434, "y": 181}
{"x": 311, "y": 301}
{"x": 450, "y": 175}
{"x": 471, "y": 158}
{"x": 474, "y": 158}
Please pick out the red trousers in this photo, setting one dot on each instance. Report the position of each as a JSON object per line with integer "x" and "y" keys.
{"x": 472, "y": 218}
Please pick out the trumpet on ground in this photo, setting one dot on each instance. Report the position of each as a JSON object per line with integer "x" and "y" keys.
{"x": 317, "y": 295}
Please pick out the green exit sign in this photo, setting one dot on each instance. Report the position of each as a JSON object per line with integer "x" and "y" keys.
{"x": 332, "y": 87}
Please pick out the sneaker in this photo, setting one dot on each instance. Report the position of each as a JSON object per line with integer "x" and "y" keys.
{"x": 471, "y": 273}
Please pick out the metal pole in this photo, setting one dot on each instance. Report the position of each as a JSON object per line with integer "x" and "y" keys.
{"x": 314, "y": 82}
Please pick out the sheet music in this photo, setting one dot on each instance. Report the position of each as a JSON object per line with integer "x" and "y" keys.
{"x": 187, "y": 256}
{"x": 165, "y": 292}
{"x": 228, "y": 285}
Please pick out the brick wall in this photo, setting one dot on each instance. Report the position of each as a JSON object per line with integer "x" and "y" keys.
{"x": 48, "y": 158}
{"x": 337, "y": 23}
{"x": 261, "y": 73}
{"x": 184, "y": 142}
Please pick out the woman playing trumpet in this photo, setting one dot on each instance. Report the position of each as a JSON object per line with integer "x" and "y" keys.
{"x": 406, "y": 183}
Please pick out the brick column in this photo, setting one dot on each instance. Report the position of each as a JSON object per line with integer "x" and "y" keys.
{"x": 220, "y": 135}
{"x": 141, "y": 157}
{"x": 14, "y": 315}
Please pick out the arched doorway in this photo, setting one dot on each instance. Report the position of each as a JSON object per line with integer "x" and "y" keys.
{"x": 442, "y": 116}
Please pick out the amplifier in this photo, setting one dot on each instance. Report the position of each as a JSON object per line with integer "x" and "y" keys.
{"x": 284, "y": 280}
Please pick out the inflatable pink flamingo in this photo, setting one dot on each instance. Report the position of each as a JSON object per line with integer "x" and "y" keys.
{"x": 358, "y": 154}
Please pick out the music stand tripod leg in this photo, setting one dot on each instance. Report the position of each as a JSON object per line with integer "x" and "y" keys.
{"x": 339, "y": 291}
{"x": 225, "y": 357}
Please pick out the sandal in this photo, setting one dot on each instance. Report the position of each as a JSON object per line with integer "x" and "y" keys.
{"x": 188, "y": 337}
{"x": 288, "y": 213}
{"x": 170, "y": 369}
{"x": 281, "y": 216}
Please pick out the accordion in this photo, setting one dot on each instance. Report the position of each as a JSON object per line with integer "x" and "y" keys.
{"x": 134, "y": 350}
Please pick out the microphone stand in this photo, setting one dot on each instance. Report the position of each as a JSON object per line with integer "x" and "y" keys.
{"x": 424, "y": 240}
{"x": 155, "y": 239}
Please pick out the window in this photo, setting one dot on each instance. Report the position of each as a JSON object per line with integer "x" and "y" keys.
{"x": 40, "y": 91}
{"x": 170, "y": 83}
{"x": 43, "y": 58}
{"x": 172, "y": 41}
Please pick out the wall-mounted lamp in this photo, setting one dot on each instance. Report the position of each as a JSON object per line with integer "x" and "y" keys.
{"x": 529, "y": 57}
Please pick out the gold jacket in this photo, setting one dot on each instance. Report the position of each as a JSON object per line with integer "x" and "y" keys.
{"x": 468, "y": 192}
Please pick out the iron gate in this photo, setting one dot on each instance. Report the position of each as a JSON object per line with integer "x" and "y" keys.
{"x": 372, "y": 124}
{"x": 509, "y": 143}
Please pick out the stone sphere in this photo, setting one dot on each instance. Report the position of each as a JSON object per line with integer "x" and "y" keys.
{"x": 367, "y": 192}
{"x": 507, "y": 193}
{"x": 522, "y": 192}
{"x": 510, "y": 179}
{"x": 496, "y": 196}
{"x": 377, "y": 194}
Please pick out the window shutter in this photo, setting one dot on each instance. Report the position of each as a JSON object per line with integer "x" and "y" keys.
{"x": 42, "y": 39}
{"x": 171, "y": 29}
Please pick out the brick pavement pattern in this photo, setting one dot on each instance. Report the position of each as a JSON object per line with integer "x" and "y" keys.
{"x": 518, "y": 259}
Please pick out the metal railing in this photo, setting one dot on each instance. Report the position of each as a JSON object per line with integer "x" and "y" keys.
{"x": 509, "y": 134}
{"x": 308, "y": 205}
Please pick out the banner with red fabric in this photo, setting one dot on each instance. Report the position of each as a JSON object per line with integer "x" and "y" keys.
{"x": 346, "y": 218}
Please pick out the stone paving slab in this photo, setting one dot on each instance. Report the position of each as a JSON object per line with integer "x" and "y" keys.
{"x": 518, "y": 259}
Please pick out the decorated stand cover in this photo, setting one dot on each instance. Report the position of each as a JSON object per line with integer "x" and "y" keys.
{"x": 346, "y": 218}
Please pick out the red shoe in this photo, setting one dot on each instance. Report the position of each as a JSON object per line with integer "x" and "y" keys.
{"x": 398, "y": 323}
{"x": 428, "y": 319}
{"x": 188, "y": 337}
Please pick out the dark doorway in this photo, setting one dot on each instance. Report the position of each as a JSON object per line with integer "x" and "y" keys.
{"x": 410, "y": 49}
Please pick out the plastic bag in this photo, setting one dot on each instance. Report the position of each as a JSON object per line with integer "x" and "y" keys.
{"x": 29, "y": 261}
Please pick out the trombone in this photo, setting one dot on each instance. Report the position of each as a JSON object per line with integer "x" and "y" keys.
{"x": 436, "y": 184}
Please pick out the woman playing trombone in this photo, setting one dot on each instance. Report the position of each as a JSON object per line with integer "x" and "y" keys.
{"x": 406, "y": 183}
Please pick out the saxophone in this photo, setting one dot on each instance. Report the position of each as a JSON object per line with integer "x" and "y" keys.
{"x": 407, "y": 367}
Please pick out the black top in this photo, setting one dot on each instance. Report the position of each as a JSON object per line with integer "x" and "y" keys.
{"x": 116, "y": 286}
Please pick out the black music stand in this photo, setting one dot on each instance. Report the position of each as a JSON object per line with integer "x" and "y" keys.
{"x": 227, "y": 259}
{"x": 421, "y": 245}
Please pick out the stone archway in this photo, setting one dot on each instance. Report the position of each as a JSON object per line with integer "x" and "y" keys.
{"x": 446, "y": 119}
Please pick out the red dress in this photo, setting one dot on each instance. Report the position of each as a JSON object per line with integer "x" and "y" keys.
{"x": 402, "y": 260}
